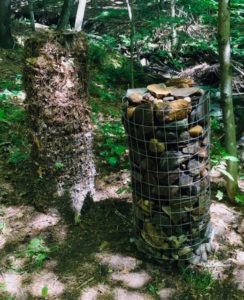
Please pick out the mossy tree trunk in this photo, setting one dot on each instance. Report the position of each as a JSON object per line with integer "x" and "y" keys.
{"x": 65, "y": 14}
{"x": 32, "y": 16}
{"x": 226, "y": 94}
{"x": 55, "y": 76}
{"x": 6, "y": 40}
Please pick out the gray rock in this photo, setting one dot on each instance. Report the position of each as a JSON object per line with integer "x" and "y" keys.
{"x": 184, "y": 137}
{"x": 171, "y": 160}
{"x": 193, "y": 117}
{"x": 199, "y": 186}
{"x": 143, "y": 115}
{"x": 185, "y": 180}
{"x": 164, "y": 136}
{"x": 204, "y": 256}
{"x": 200, "y": 249}
{"x": 195, "y": 259}
{"x": 177, "y": 125}
{"x": 136, "y": 175}
{"x": 168, "y": 192}
{"x": 142, "y": 189}
{"x": 148, "y": 164}
{"x": 191, "y": 148}
{"x": 150, "y": 178}
{"x": 195, "y": 167}
{"x": 169, "y": 98}
{"x": 132, "y": 91}
{"x": 208, "y": 247}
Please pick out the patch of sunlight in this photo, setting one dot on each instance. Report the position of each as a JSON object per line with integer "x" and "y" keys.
{"x": 95, "y": 292}
{"x": 43, "y": 221}
{"x": 47, "y": 279}
{"x": 118, "y": 262}
{"x": 12, "y": 283}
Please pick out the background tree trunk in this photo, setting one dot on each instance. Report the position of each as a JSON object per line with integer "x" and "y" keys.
{"x": 6, "y": 40}
{"x": 32, "y": 17}
{"x": 130, "y": 8}
{"x": 80, "y": 15}
{"x": 226, "y": 94}
{"x": 65, "y": 14}
{"x": 173, "y": 30}
{"x": 55, "y": 76}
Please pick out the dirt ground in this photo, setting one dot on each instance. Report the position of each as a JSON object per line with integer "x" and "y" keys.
{"x": 98, "y": 260}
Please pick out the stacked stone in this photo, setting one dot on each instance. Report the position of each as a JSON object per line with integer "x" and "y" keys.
{"x": 168, "y": 138}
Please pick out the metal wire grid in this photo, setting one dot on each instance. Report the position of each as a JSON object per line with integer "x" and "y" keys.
{"x": 171, "y": 199}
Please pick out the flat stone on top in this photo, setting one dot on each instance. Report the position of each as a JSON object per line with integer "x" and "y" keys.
{"x": 161, "y": 91}
{"x": 137, "y": 91}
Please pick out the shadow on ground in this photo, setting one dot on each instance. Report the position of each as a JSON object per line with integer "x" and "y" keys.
{"x": 93, "y": 260}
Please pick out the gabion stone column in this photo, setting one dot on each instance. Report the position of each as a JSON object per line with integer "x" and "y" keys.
{"x": 168, "y": 139}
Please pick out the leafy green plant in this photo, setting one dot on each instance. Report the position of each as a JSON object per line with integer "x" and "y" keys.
{"x": 17, "y": 156}
{"x": 59, "y": 165}
{"x": 37, "y": 252}
{"x": 199, "y": 280}
{"x": 124, "y": 189}
{"x": 112, "y": 145}
{"x": 2, "y": 285}
{"x": 44, "y": 291}
{"x": 2, "y": 227}
{"x": 220, "y": 195}
{"x": 240, "y": 198}
{"x": 218, "y": 152}
{"x": 154, "y": 291}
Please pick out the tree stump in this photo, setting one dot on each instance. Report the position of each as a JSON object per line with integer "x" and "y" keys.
{"x": 55, "y": 77}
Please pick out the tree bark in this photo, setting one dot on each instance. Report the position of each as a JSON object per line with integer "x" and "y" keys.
{"x": 32, "y": 17}
{"x": 80, "y": 15}
{"x": 6, "y": 40}
{"x": 226, "y": 94}
{"x": 65, "y": 15}
{"x": 173, "y": 30}
{"x": 55, "y": 77}
{"x": 132, "y": 35}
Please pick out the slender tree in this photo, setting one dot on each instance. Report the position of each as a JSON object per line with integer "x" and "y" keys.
{"x": 32, "y": 16}
{"x": 65, "y": 15}
{"x": 226, "y": 95}
{"x": 80, "y": 15}
{"x": 173, "y": 30}
{"x": 6, "y": 40}
{"x": 130, "y": 7}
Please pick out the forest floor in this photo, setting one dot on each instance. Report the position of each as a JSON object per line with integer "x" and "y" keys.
{"x": 44, "y": 256}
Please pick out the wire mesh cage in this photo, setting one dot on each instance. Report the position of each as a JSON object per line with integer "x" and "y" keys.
{"x": 168, "y": 137}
